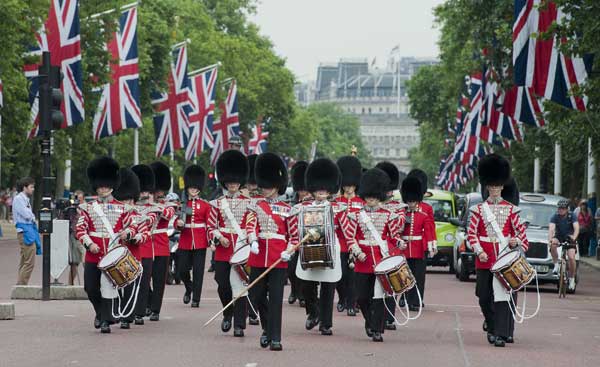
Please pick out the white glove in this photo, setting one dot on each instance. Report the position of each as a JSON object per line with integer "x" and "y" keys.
{"x": 254, "y": 247}
{"x": 286, "y": 256}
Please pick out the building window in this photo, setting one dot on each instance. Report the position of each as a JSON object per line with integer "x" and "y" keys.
{"x": 369, "y": 110}
{"x": 363, "y": 110}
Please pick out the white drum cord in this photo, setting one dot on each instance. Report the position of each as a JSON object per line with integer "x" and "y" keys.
{"x": 519, "y": 317}
{"x": 129, "y": 307}
{"x": 406, "y": 316}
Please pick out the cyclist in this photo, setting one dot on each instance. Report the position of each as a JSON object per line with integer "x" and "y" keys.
{"x": 564, "y": 227}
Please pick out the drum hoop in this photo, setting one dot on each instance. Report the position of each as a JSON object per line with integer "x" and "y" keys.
{"x": 237, "y": 252}
{"x": 397, "y": 266}
{"x": 502, "y": 267}
{"x": 116, "y": 260}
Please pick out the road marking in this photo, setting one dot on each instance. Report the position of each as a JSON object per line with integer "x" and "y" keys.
{"x": 253, "y": 364}
{"x": 69, "y": 315}
{"x": 440, "y": 311}
{"x": 573, "y": 317}
{"x": 557, "y": 334}
{"x": 460, "y": 340}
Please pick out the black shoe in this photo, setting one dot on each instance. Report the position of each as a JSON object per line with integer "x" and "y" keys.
{"x": 485, "y": 325}
{"x": 499, "y": 342}
{"x": 413, "y": 308}
{"x": 510, "y": 340}
{"x": 390, "y": 325}
{"x": 368, "y": 330}
{"x": 104, "y": 327}
{"x": 186, "y": 298}
{"x": 124, "y": 324}
{"x": 148, "y": 312}
{"x": 211, "y": 269}
{"x": 238, "y": 332}
{"x": 325, "y": 330}
{"x": 351, "y": 312}
{"x": 292, "y": 299}
{"x": 276, "y": 346}
{"x": 253, "y": 321}
{"x": 195, "y": 304}
{"x": 340, "y": 307}
{"x": 302, "y": 303}
{"x": 264, "y": 341}
{"x": 402, "y": 303}
{"x": 377, "y": 337}
{"x": 311, "y": 323}
{"x": 491, "y": 338}
{"x": 154, "y": 316}
{"x": 96, "y": 323}
{"x": 138, "y": 320}
{"x": 226, "y": 325}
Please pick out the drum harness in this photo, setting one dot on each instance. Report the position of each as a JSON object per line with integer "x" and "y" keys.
{"x": 121, "y": 312}
{"x": 364, "y": 218}
{"x": 519, "y": 317}
{"x": 240, "y": 242}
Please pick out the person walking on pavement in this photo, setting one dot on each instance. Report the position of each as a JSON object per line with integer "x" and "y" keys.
{"x": 27, "y": 231}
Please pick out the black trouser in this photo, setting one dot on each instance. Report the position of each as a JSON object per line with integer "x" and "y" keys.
{"x": 371, "y": 309}
{"x": 267, "y": 295}
{"x": 239, "y": 309}
{"x": 497, "y": 314}
{"x": 584, "y": 242}
{"x": 160, "y": 266}
{"x": 418, "y": 267}
{"x": 323, "y": 307}
{"x": 295, "y": 282}
{"x": 144, "y": 294}
{"x": 91, "y": 284}
{"x": 194, "y": 260}
{"x": 345, "y": 287}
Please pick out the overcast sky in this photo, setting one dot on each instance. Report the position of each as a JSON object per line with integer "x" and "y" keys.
{"x": 307, "y": 32}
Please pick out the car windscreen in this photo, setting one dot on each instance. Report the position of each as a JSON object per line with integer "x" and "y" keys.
{"x": 442, "y": 209}
{"x": 538, "y": 215}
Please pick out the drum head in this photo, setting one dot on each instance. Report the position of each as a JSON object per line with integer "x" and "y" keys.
{"x": 388, "y": 263}
{"x": 506, "y": 259}
{"x": 241, "y": 255}
{"x": 112, "y": 256}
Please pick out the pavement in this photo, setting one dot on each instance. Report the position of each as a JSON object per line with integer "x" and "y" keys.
{"x": 566, "y": 332}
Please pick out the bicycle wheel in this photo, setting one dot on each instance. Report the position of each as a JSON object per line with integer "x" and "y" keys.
{"x": 562, "y": 279}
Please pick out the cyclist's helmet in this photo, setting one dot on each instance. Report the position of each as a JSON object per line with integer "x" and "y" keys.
{"x": 563, "y": 203}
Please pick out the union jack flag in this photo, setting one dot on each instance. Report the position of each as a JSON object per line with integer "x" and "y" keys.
{"x": 258, "y": 143}
{"x": 228, "y": 125}
{"x": 171, "y": 121}
{"x": 499, "y": 123}
{"x": 203, "y": 92}
{"x": 537, "y": 62}
{"x": 521, "y": 104}
{"x": 59, "y": 36}
{"x": 119, "y": 106}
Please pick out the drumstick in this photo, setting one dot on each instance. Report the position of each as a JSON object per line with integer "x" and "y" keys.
{"x": 310, "y": 235}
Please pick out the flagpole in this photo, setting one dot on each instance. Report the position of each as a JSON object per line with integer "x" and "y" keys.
{"x": 136, "y": 146}
{"x": 557, "y": 169}
{"x": 226, "y": 81}
{"x": 171, "y": 171}
{"x": 123, "y": 8}
{"x": 536, "y": 171}
{"x": 192, "y": 73}
{"x": 68, "y": 165}
{"x": 187, "y": 41}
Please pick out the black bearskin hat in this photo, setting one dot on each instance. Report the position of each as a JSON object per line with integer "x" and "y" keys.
{"x": 232, "y": 166}
{"x": 251, "y": 162}
{"x": 129, "y": 187}
{"x": 392, "y": 171}
{"x": 103, "y": 172}
{"x": 374, "y": 184}
{"x": 270, "y": 171}
{"x": 421, "y": 176}
{"x": 351, "y": 170}
{"x": 323, "y": 174}
{"x": 146, "y": 176}
{"x": 162, "y": 176}
{"x": 411, "y": 189}
{"x": 510, "y": 192}
{"x": 298, "y": 173}
{"x": 493, "y": 169}
{"x": 194, "y": 176}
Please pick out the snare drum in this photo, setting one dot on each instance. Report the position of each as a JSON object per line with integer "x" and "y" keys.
{"x": 120, "y": 266}
{"x": 394, "y": 275}
{"x": 513, "y": 271}
{"x": 316, "y": 255}
{"x": 239, "y": 263}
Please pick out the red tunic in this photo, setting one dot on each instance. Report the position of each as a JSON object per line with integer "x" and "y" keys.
{"x": 360, "y": 240}
{"x": 345, "y": 205}
{"x": 193, "y": 235}
{"x": 268, "y": 223}
{"x": 91, "y": 229}
{"x": 149, "y": 214}
{"x": 416, "y": 233}
{"x": 482, "y": 237}
{"x": 160, "y": 237}
{"x": 219, "y": 225}
{"x": 431, "y": 234}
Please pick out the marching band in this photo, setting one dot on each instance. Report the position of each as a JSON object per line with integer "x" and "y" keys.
{"x": 345, "y": 231}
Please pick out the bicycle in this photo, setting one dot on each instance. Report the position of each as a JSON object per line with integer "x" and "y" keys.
{"x": 563, "y": 278}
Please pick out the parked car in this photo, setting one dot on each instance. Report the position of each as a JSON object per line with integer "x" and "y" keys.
{"x": 444, "y": 206}
{"x": 536, "y": 211}
{"x": 464, "y": 257}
